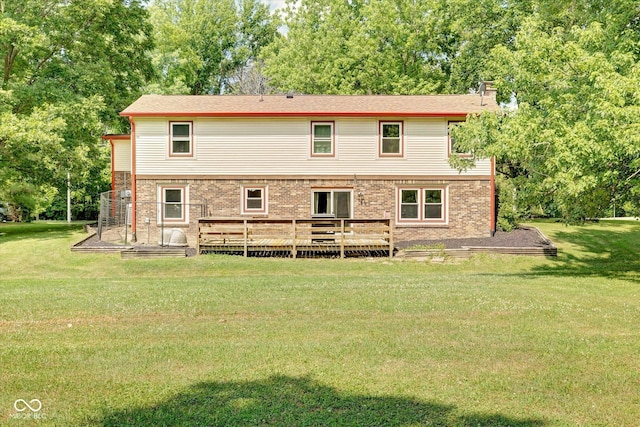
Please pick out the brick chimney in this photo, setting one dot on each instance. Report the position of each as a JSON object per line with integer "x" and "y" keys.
{"x": 487, "y": 90}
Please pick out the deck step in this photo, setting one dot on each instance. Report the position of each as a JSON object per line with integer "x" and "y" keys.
{"x": 153, "y": 252}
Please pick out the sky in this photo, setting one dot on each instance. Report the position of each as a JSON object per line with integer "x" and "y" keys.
{"x": 274, "y": 4}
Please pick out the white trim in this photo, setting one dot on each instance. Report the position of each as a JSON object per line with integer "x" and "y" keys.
{"x": 422, "y": 220}
{"x": 332, "y": 138}
{"x": 381, "y": 138}
{"x": 173, "y": 139}
{"x": 331, "y": 214}
{"x": 184, "y": 203}
{"x": 264, "y": 209}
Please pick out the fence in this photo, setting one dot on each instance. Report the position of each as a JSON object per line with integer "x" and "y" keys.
{"x": 115, "y": 210}
{"x": 114, "y": 222}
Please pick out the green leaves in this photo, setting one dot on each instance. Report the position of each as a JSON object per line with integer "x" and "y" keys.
{"x": 70, "y": 67}
{"x": 357, "y": 47}
{"x": 203, "y": 45}
{"x": 573, "y": 135}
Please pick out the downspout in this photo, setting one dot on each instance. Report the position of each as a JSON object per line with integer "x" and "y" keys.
{"x": 134, "y": 197}
{"x": 493, "y": 196}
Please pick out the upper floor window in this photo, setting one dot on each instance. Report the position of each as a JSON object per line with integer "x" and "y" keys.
{"x": 453, "y": 148}
{"x": 181, "y": 139}
{"x": 322, "y": 139}
{"x": 391, "y": 134}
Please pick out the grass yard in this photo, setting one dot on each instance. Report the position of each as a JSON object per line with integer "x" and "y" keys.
{"x": 218, "y": 340}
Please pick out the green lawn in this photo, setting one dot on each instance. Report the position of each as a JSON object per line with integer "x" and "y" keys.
{"x": 215, "y": 340}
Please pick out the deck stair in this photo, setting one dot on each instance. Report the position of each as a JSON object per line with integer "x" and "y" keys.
{"x": 153, "y": 252}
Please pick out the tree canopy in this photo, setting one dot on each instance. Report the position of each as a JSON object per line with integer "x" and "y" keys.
{"x": 389, "y": 47}
{"x": 208, "y": 46}
{"x": 568, "y": 143}
{"x": 571, "y": 148}
{"x": 69, "y": 68}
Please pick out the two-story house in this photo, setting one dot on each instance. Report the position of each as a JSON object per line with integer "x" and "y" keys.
{"x": 303, "y": 156}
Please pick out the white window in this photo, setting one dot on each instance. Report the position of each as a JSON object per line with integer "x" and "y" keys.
{"x": 422, "y": 205}
{"x": 172, "y": 207}
{"x": 332, "y": 203}
{"x": 453, "y": 149}
{"x": 409, "y": 206}
{"x": 391, "y": 134}
{"x": 181, "y": 139}
{"x": 254, "y": 200}
{"x": 433, "y": 204}
{"x": 322, "y": 139}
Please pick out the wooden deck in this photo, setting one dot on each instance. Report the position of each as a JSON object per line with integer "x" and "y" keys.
{"x": 296, "y": 238}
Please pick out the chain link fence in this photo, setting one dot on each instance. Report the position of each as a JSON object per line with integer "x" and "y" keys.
{"x": 115, "y": 211}
{"x": 153, "y": 219}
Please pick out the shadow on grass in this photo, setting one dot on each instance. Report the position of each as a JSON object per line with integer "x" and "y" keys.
{"x": 287, "y": 401}
{"x": 37, "y": 230}
{"x": 604, "y": 250}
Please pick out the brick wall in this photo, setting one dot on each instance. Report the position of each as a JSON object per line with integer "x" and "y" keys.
{"x": 122, "y": 180}
{"x": 469, "y": 210}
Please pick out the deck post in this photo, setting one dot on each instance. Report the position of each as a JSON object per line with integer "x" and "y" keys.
{"x": 246, "y": 226}
{"x": 198, "y": 239}
{"x": 390, "y": 225}
{"x": 294, "y": 251}
{"x": 342, "y": 239}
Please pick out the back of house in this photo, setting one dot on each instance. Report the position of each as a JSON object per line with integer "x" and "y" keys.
{"x": 303, "y": 157}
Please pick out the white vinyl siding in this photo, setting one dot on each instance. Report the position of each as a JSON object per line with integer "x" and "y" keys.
{"x": 280, "y": 146}
{"x": 121, "y": 156}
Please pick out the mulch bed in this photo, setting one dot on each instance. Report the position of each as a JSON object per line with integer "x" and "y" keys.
{"x": 93, "y": 241}
{"x": 519, "y": 238}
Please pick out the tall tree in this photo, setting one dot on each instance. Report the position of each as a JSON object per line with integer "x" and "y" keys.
{"x": 204, "y": 46}
{"x": 318, "y": 55}
{"x": 390, "y": 46}
{"x": 572, "y": 145}
{"x": 69, "y": 67}
{"x": 360, "y": 46}
{"x": 470, "y": 30}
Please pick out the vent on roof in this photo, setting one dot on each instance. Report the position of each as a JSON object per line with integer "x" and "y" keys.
{"x": 289, "y": 96}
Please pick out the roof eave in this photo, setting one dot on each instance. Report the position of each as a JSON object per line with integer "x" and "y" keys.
{"x": 116, "y": 136}
{"x": 298, "y": 114}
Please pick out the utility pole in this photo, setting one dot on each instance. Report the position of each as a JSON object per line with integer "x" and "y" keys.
{"x": 68, "y": 197}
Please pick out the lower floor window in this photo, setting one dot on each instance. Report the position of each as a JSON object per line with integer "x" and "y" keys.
{"x": 433, "y": 204}
{"x": 254, "y": 200}
{"x": 422, "y": 204}
{"x": 172, "y": 207}
{"x": 332, "y": 203}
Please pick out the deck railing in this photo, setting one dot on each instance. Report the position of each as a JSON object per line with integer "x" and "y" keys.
{"x": 297, "y": 237}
